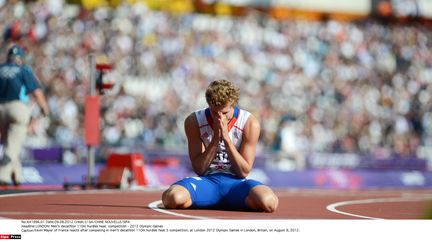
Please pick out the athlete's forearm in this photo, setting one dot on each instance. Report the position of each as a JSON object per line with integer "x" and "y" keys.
{"x": 202, "y": 162}
{"x": 239, "y": 164}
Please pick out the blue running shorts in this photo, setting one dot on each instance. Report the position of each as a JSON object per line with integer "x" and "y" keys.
{"x": 220, "y": 190}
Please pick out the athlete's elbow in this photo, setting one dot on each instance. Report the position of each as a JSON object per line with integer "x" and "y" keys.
{"x": 199, "y": 171}
{"x": 243, "y": 173}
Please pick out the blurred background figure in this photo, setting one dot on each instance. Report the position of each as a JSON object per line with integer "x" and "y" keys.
{"x": 16, "y": 82}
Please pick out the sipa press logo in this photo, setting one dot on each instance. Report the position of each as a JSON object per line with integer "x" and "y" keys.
{"x": 10, "y": 237}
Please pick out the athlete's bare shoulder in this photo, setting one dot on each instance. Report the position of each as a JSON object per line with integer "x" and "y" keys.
{"x": 190, "y": 122}
{"x": 252, "y": 126}
{"x": 253, "y": 122}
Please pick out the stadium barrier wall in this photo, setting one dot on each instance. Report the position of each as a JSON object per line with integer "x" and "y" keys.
{"x": 322, "y": 170}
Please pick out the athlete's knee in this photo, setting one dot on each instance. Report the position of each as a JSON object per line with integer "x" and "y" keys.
{"x": 175, "y": 197}
{"x": 265, "y": 199}
{"x": 270, "y": 202}
{"x": 169, "y": 198}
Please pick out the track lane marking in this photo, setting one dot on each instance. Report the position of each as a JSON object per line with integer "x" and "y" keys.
{"x": 154, "y": 206}
{"x": 332, "y": 207}
{"x": 42, "y": 193}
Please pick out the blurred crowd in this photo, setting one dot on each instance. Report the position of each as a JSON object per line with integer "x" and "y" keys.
{"x": 349, "y": 87}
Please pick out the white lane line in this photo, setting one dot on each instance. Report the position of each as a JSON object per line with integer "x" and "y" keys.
{"x": 107, "y": 191}
{"x": 154, "y": 206}
{"x": 332, "y": 207}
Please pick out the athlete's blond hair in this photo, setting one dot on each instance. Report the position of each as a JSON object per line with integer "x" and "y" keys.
{"x": 222, "y": 92}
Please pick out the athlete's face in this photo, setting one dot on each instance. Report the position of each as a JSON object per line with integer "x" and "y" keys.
{"x": 223, "y": 111}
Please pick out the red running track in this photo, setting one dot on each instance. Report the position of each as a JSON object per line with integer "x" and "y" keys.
{"x": 145, "y": 204}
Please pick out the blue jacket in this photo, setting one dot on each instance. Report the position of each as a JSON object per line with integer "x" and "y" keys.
{"x": 16, "y": 82}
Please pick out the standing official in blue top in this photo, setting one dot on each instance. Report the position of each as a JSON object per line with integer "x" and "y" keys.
{"x": 17, "y": 81}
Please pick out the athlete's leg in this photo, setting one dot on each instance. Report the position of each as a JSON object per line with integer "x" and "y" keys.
{"x": 198, "y": 192}
{"x": 250, "y": 194}
{"x": 262, "y": 198}
{"x": 176, "y": 197}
